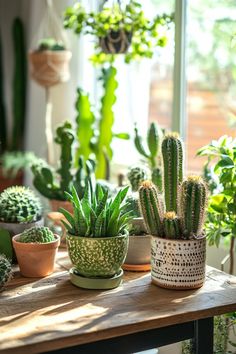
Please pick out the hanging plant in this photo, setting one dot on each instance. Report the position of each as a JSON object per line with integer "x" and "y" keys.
{"x": 119, "y": 30}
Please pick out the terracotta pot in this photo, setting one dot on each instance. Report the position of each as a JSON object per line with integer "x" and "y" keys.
{"x": 49, "y": 68}
{"x": 97, "y": 257}
{"x": 178, "y": 264}
{"x": 56, "y": 204}
{"x": 116, "y": 42}
{"x": 12, "y": 229}
{"x": 6, "y": 181}
{"x": 36, "y": 259}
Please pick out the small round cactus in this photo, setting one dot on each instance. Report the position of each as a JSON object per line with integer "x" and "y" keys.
{"x": 5, "y": 271}
{"x": 136, "y": 176}
{"x": 19, "y": 204}
{"x": 37, "y": 235}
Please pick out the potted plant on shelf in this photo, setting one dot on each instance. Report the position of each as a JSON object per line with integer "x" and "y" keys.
{"x": 97, "y": 238}
{"x": 50, "y": 62}
{"x": 36, "y": 250}
{"x": 20, "y": 209}
{"x": 119, "y": 29}
{"x": 178, "y": 245}
{"x": 5, "y": 271}
{"x": 138, "y": 255}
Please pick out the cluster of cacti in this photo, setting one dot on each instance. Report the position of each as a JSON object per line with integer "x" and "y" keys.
{"x": 182, "y": 214}
{"x": 151, "y": 152}
{"x": 50, "y": 44}
{"x": 19, "y": 204}
{"x": 136, "y": 176}
{"x": 37, "y": 235}
{"x": 5, "y": 271}
{"x": 52, "y": 184}
{"x": 97, "y": 215}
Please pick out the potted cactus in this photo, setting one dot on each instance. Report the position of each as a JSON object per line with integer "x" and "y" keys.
{"x": 20, "y": 209}
{"x": 36, "y": 250}
{"x": 138, "y": 255}
{"x": 5, "y": 271}
{"x": 50, "y": 62}
{"x": 175, "y": 221}
{"x": 97, "y": 238}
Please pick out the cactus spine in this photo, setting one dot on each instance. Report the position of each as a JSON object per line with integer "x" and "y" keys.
{"x": 151, "y": 208}
{"x": 19, "y": 85}
{"x": 193, "y": 200}
{"x": 171, "y": 225}
{"x": 37, "y": 235}
{"x": 172, "y": 153}
{"x": 5, "y": 271}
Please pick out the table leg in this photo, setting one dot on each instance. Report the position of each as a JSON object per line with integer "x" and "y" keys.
{"x": 203, "y": 336}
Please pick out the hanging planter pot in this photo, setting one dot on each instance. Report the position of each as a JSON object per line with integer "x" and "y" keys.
{"x": 49, "y": 68}
{"x": 116, "y": 42}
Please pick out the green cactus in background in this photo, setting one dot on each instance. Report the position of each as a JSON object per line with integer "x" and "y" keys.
{"x": 20, "y": 205}
{"x": 3, "y": 119}
{"x": 19, "y": 85}
{"x": 5, "y": 271}
{"x": 151, "y": 151}
{"x": 65, "y": 138}
{"x": 171, "y": 225}
{"x": 136, "y": 176}
{"x": 53, "y": 184}
{"x": 172, "y": 153}
{"x": 132, "y": 204}
{"x": 193, "y": 201}
{"x": 151, "y": 207}
{"x": 37, "y": 235}
{"x": 50, "y": 44}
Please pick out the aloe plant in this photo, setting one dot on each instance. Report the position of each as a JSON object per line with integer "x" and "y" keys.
{"x": 96, "y": 215}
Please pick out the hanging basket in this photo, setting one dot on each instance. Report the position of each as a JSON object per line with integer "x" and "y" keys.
{"x": 49, "y": 68}
{"x": 116, "y": 42}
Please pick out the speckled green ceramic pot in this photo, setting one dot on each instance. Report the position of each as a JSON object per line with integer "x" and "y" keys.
{"x": 97, "y": 257}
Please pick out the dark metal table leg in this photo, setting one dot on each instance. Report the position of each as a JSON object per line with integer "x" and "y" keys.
{"x": 203, "y": 336}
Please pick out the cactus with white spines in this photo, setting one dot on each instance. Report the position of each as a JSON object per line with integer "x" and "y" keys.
{"x": 172, "y": 153}
{"x": 151, "y": 207}
{"x": 171, "y": 225}
{"x": 192, "y": 205}
{"x": 5, "y": 271}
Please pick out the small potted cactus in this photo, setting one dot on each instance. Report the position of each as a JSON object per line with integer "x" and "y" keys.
{"x": 50, "y": 62}
{"x": 175, "y": 221}
{"x": 5, "y": 271}
{"x": 36, "y": 250}
{"x": 20, "y": 209}
{"x": 97, "y": 238}
{"x": 138, "y": 256}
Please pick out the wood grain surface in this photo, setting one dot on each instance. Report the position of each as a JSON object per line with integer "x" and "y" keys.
{"x": 38, "y": 315}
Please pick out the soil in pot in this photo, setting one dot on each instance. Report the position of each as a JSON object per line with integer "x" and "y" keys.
{"x": 36, "y": 260}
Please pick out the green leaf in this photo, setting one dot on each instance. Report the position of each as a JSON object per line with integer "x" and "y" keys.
{"x": 139, "y": 144}
{"x": 124, "y": 136}
{"x": 153, "y": 139}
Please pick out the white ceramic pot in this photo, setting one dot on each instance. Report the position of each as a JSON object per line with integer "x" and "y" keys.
{"x": 178, "y": 264}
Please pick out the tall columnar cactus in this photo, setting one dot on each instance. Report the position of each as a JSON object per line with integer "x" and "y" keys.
{"x": 3, "y": 120}
{"x": 172, "y": 153}
{"x": 19, "y": 85}
{"x": 37, "y": 235}
{"x": 151, "y": 151}
{"x": 65, "y": 138}
{"x": 136, "y": 176}
{"x": 5, "y": 271}
{"x": 171, "y": 225}
{"x": 193, "y": 200}
{"x": 151, "y": 207}
{"x": 19, "y": 204}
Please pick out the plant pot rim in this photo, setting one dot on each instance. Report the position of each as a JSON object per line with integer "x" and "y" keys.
{"x": 21, "y": 223}
{"x": 41, "y": 246}
{"x": 180, "y": 240}
{"x": 126, "y": 234}
{"x": 48, "y": 51}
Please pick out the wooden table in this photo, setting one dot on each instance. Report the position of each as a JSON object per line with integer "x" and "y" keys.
{"x": 50, "y": 314}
